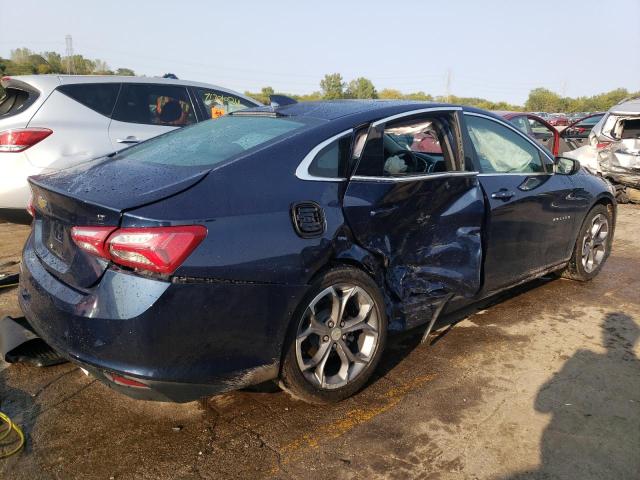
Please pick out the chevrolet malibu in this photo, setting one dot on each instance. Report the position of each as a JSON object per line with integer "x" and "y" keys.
{"x": 284, "y": 243}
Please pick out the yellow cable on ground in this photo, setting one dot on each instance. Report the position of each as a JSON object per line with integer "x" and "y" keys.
{"x": 5, "y": 434}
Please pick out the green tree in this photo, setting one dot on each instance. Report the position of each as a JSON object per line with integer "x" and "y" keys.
{"x": 332, "y": 86}
{"x": 361, "y": 88}
{"x": 544, "y": 100}
{"x": 390, "y": 94}
{"x": 126, "y": 72}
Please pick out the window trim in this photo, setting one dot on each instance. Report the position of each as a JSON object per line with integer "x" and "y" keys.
{"x": 409, "y": 178}
{"x": 302, "y": 172}
{"x": 526, "y": 137}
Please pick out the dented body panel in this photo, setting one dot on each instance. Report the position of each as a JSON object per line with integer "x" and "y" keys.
{"x": 220, "y": 321}
{"x": 427, "y": 233}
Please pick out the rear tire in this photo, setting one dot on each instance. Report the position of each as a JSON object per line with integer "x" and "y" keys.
{"x": 336, "y": 338}
{"x": 593, "y": 245}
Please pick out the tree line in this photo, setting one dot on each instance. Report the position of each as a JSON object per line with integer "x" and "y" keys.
{"x": 333, "y": 87}
{"x": 23, "y": 61}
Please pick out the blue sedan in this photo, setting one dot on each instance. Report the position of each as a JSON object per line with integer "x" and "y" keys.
{"x": 285, "y": 242}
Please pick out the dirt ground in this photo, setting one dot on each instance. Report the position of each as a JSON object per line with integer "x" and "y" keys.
{"x": 543, "y": 384}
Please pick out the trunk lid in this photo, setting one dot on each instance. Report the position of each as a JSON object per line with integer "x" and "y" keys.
{"x": 95, "y": 194}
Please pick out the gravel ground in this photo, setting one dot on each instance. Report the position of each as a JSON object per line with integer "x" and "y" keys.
{"x": 544, "y": 383}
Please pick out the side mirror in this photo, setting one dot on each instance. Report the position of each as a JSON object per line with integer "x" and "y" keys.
{"x": 566, "y": 166}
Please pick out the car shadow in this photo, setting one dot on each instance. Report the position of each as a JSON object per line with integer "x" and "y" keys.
{"x": 594, "y": 403}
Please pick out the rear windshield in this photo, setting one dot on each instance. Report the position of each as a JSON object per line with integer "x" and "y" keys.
{"x": 213, "y": 141}
{"x": 15, "y": 101}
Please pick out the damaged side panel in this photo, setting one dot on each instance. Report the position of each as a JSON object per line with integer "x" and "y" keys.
{"x": 428, "y": 234}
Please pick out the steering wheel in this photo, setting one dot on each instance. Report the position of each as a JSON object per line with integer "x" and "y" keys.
{"x": 413, "y": 162}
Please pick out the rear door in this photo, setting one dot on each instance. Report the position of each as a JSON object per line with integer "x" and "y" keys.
{"x": 576, "y": 135}
{"x": 412, "y": 203}
{"x": 531, "y": 210}
{"x": 145, "y": 110}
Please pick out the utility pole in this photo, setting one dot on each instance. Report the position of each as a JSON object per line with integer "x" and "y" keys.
{"x": 69, "y": 50}
{"x": 448, "y": 85}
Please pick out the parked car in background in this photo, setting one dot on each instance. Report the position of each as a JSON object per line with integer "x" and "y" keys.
{"x": 50, "y": 122}
{"x": 615, "y": 143}
{"x": 285, "y": 242}
{"x": 558, "y": 120}
{"x": 536, "y": 127}
{"x": 577, "y": 133}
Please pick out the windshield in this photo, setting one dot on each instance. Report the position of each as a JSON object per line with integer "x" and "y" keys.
{"x": 213, "y": 141}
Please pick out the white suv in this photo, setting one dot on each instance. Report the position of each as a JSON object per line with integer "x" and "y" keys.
{"x": 50, "y": 122}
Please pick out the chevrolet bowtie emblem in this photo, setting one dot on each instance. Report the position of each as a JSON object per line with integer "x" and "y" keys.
{"x": 42, "y": 202}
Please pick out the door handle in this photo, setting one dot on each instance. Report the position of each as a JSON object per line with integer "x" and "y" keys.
{"x": 129, "y": 139}
{"x": 503, "y": 194}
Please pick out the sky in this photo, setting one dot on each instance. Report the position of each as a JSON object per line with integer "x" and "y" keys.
{"x": 498, "y": 50}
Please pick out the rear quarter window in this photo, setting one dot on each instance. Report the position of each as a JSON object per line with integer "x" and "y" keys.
{"x": 218, "y": 103}
{"x": 211, "y": 142}
{"x": 15, "y": 101}
{"x": 99, "y": 97}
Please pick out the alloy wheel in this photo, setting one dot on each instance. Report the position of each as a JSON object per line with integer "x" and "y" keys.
{"x": 594, "y": 243}
{"x": 338, "y": 336}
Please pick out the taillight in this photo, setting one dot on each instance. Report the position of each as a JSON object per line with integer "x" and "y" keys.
{"x": 19, "y": 139}
{"x": 602, "y": 145}
{"x": 92, "y": 239}
{"x": 156, "y": 249}
{"x": 30, "y": 207}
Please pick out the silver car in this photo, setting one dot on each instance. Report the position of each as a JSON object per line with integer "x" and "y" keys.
{"x": 616, "y": 138}
{"x": 50, "y": 122}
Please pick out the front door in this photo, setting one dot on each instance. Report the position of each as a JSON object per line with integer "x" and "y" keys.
{"x": 530, "y": 219}
{"x": 411, "y": 203}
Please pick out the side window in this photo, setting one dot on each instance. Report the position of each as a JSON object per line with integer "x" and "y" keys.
{"x": 333, "y": 160}
{"x": 99, "y": 97}
{"x": 167, "y": 105}
{"x": 501, "y": 150}
{"x": 417, "y": 146}
{"x": 521, "y": 124}
{"x": 220, "y": 103}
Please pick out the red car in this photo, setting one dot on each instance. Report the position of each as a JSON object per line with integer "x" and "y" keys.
{"x": 536, "y": 127}
{"x": 559, "y": 120}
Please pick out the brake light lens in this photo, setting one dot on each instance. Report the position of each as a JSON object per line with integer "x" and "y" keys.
{"x": 19, "y": 139}
{"x": 92, "y": 239}
{"x": 30, "y": 208}
{"x": 155, "y": 249}
{"x": 602, "y": 145}
{"x": 158, "y": 249}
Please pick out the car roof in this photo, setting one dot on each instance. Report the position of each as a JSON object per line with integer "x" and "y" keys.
{"x": 50, "y": 82}
{"x": 366, "y": 110}
{"x": 629, "y": 107}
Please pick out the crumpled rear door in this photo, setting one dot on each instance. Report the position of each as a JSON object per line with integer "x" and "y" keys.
{"x": 427, "y": 231}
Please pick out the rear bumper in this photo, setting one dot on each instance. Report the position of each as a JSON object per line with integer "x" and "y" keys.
{"x": 184, "y": 340}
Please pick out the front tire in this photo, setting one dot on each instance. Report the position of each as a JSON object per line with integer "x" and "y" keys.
{"x": 336, "y": 339}
{"x": 593, "y": 245}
